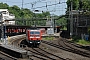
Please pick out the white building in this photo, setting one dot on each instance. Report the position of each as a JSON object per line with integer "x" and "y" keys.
{"x": 6, "y": 17}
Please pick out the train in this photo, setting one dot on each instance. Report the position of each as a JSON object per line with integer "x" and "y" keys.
{"x": 34, "y": 36}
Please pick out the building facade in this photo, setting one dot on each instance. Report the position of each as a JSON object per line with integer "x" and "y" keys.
{"x": 81, "y": 24}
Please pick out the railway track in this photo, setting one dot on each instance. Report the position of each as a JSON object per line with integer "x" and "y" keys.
{"x": 51, "y": 54}
{"x": 74, "y": 49}
{"x": 76, "y": 45}
{"x": 67, "y": 48}
{"x": 40, "y": 54}
{"x": 37, "y": 53}
{"x": 44, "y": 55}
{"x": 16, "y": 42}
{"x": 73, "y": 46}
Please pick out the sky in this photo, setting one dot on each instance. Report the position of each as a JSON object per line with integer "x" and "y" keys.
{"x": 52, "y": 5}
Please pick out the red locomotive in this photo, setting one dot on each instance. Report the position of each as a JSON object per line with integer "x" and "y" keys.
{"x": 33, "y": 37}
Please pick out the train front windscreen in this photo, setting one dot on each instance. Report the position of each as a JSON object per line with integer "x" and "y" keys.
{"x": 34, "y": 32}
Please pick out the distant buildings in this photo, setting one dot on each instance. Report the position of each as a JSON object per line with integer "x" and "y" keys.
{"x": 6, "y": 17}
{"x": 81, "y": 23}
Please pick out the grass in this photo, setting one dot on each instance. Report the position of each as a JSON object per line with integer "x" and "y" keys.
{"x": 83, "y": 42}
{"x": 48, "y": 38}
{"x": 80, "y": 41}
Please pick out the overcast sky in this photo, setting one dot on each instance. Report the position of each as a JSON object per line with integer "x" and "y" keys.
{"x": 58, "y": 9}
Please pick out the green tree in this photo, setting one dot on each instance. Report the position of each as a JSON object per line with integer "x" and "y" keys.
{"x": 15, "y": 10}
{"x": 86, "y": 5}
{"x": 24, "y": 13}
{"x": 75, "y": 4}
{"x": 4, "y": 6}
{"x": 79, "y": 4}
{"x": 61, "y": 21}
{"x": 27, "y": 14}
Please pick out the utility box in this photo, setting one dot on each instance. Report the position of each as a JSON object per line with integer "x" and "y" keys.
{"x": 86, "y": 37}
{"x": 50, "y": 31}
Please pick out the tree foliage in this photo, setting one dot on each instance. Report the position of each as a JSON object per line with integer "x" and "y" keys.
{"x": 61, "y": 22}
{"x": 26, "y": 14}
{"x": 79, "y": 4}
{"x": 3, "y": 6}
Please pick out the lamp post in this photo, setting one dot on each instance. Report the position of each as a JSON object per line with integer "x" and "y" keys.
{"x": 3, "y": 29}
{"x": 71, "y": 21}
{"x": 35, "y": 16}
{"x": 53, "y": 22}
{"x": 22, "y": 13}
{"x": 4, "y": 33}
{"x": 2, "y": 36}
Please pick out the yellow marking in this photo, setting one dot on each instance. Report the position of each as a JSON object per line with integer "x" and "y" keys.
{"x": 8, "y": 40}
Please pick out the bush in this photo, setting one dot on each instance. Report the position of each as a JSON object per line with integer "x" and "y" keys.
{"x": 75, "y": 38}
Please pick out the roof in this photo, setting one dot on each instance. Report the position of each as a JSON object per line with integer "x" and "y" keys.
{"x": 3, "y": 10}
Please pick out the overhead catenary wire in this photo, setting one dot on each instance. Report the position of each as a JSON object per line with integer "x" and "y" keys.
{"x": 46, "y": 4}
{"x": 32, "y": 2}
{"x": 24, "y": 3}
{"x": 37, "y": 2}
{"x": 50, "y": 5}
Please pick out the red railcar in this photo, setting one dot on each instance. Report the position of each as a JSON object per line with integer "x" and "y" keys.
{"x": 43, "y": 31}
{"x": 33, "y": 37}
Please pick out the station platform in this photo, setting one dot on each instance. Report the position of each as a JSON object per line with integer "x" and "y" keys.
{"x": 13, "y": 51}
{"x": 14, "y": 48}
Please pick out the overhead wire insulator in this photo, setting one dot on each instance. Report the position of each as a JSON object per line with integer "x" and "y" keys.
{"x": 46, "y": 5}
{"x": 42, "y": 11}
{"x": 32, "y": 5}
{"x": 59, "y": 1}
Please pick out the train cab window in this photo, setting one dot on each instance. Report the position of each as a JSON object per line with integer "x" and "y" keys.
{"x": 32, "y": 32}
{"x": 37, "y": 32}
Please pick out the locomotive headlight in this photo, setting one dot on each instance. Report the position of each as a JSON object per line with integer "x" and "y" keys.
{"x": 38, "y": 42}
{"x": 30, "y": 42}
